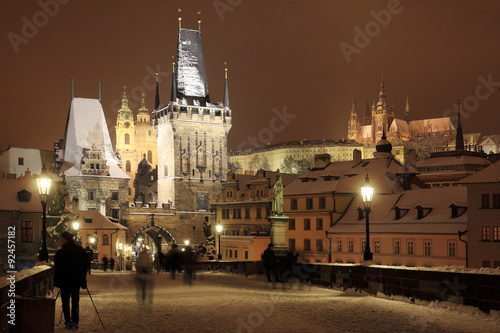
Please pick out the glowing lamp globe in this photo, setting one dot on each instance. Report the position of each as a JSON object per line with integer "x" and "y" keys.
{"x": 367, "y": 192}
{"x": 44, "y": 182}
{"x": 219, "y": 228}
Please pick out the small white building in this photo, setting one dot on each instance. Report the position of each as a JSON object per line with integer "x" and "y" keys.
{"x": 18, "y": 160}
{"x": 483, "y": 223}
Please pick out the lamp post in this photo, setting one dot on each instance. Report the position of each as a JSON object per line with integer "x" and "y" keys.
{"x": 44, "y": 182}
{"x": 186, "y": 242}
{"x": 367, "y": 195}
{"x": 219, "y": 231}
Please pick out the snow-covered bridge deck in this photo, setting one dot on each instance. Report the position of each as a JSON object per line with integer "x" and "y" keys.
{"x": 218, "y": 302}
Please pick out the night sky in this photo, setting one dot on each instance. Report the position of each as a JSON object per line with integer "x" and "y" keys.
{"x": 280, "y": 54}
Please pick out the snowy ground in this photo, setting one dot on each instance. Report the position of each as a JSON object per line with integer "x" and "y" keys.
{"x": 218, "y": 302}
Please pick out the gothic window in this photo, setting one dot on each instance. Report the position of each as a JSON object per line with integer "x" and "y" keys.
{"x": 185, "y": 164}
{"x": 127, "y": 139}
{"x": 150, "y": 156}
{"x": 128, "y": 167}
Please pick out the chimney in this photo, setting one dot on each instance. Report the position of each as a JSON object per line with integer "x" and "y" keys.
{"x": 356, "y": 157}
{"x": 321, "y": 161}
{"x": 102, "y": 209}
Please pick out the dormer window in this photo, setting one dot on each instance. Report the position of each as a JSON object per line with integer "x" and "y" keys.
{"x": 422, "y": 211}
{"x": 457, "y": 211}
{"x": 24, "y": 196}
{"x": 400, "y": 212}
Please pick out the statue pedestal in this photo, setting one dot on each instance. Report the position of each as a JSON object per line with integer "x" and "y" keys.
{"x": 278, "y": 234}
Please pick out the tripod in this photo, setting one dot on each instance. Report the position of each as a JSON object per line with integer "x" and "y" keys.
{"x": 88, "y": 292}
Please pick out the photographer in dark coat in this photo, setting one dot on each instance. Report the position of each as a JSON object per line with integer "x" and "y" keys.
{"x": 269, "y": 259}
{"x": 70, "y": 275}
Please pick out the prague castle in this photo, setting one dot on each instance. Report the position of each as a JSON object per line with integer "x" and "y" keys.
{"x": 382, "y": 117}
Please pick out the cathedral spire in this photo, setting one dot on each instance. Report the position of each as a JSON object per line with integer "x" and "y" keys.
{"x": 226, "y": 90}
{"x": 173, "y": 92}
{"x": 353, "y": 107}
{"x": 157, "y": 96}
{"x": 407, "y": 110}
{"x": 382, "y": 101}
{"x": 459, "y": 145}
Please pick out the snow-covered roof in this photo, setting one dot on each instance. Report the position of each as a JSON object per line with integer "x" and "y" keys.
{"x": 383, "y": 219}
{"x": 458, "y": 159}
{"x": 490, "y": 174}
{"x": 345, "y": 177}
{"x": 86, "y": 125}
{"x": 93, "y": 219}
{"x": 431, "y": 125}
{"x": 400, "y": 125}
{"x": 190, "y": 65}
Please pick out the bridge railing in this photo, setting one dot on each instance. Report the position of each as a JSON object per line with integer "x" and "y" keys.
{"x": 473, "y": 289}
{"x": 29, "y": 286}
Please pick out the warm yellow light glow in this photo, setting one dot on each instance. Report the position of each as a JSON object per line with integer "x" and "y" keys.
{"x": 92, "y": 240}
{"x": 219, "y": 228}
{"x": 76, "y": 225}
{"x": 43, "y": 182}
{"x": 186, "y": 242}
{"x": 367, "y": 192}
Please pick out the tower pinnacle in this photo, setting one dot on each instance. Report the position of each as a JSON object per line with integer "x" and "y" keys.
{"x": 226, "y": 90}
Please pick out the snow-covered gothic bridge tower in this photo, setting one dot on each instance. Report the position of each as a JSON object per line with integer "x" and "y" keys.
{"x": 192, "y": 132}
{"x": 192, "y": 152}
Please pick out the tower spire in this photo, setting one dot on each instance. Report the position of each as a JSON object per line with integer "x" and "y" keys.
{"x": 226, "y": 90}
{"x": 407, "y": 110}
{"x": 157, "y": 96}
{"x": 353, "y": 107}
{"x": 180, "y": 19}
{"x": 173, "y": 92}
{"x": 199, "y": 22}
{"x": 459, "y": 145}
{"x": 124, "y": 99}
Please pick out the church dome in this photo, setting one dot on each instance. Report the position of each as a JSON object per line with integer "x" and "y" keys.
{"x": 383, "y": 145}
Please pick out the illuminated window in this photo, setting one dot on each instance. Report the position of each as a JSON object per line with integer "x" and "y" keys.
{"x": 26, "y": 231}
{"x": 485, "y": 233}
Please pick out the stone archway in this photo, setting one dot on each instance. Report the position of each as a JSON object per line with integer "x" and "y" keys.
{"x": 165, "y": 234}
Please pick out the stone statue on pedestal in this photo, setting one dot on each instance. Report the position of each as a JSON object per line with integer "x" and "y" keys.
{"x": 277, "y": 194}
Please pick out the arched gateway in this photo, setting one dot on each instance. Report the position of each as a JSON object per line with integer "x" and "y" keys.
{"x": 156, "y": 233}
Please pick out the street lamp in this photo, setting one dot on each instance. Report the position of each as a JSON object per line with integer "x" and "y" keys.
{"x": 367, "y": 195}
{"x": 219, "y": 231}
{"x": 186, "y": 242}
{"x": 76, "y": 225}
{"x": 43, "y": 181}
